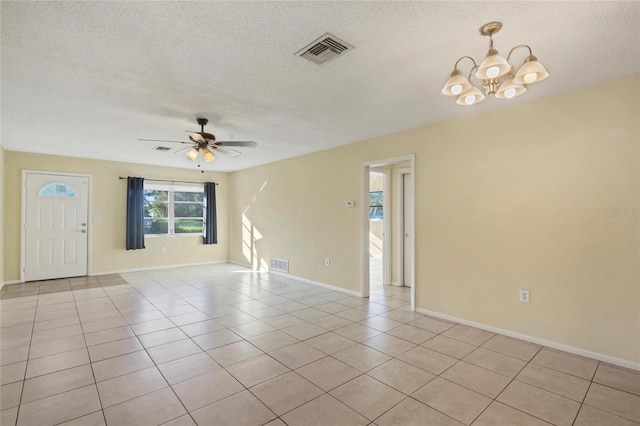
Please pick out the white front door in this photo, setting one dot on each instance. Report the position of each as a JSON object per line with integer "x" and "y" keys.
{"x": 56, "y": 213}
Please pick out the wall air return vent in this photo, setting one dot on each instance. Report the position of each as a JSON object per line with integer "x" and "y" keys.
{"x": 162, "y": 148}
{"x": 324, "y": 49}
{"x": 279, "y": 265}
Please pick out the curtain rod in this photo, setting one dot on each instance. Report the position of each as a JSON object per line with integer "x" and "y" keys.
{"x": 170, "y": 181}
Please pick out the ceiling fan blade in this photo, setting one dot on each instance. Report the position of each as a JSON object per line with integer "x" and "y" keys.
{"x": 197, "y": 138}
{"x": 230, "y": 152}
{"x": 236, "y": 143}
{"x": 182, "y": 150}
{"x": 162, "y": 140}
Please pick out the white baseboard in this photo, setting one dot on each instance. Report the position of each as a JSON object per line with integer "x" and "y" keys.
{"x": 2, "y": 284}
{"x": 559, "y": 346}
{"x": 319, "y": 284}
{"x": 151, "y": 268}
{"x": 246, "y": 265}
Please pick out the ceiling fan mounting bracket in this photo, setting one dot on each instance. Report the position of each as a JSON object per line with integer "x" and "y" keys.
{"x": 202, "y": 121}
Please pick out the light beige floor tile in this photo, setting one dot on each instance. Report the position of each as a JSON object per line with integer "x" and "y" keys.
{"x": 297, "y": 355}
{"x": 54, "y": 315}
{"x": 206, "y": 389}
{"x": 496, "y": 362}
{"x": 431, "y": 324}
{"x": 328, "y": 373}
{"x": 276, "y": 422}
{"x": 132, "y": 385}
{"x": 173, "y": 351}
{"x": 619, "y": 378}
{"x": 59, "y": 408}
{"x": 402, "y": 376}
{"x": 55, "y": 323}
{"x": 57, "y": 346}
{"x": 431, "y": 361}
{"x": 500, "y": 414}
{"x": 202, "y": 327}
{"x": 448, "y": 346}
{"x": 381, "y": 323}
{"x": 93, "y": 419}
{"x": 257, "y": 370}
{"x": 387, "y": 344}
{"x": 13, "y": 342}
{"x": 11, "y": 373}
{"x": 148, "y": 410}
{"x": 121, "y": 365}
{"x": 545, "y": 405}
{"x": 554, "y": 381}
{"x": 181, "y": 421}
{"x": 189, "y": 318}
{"x": 330, "y": 343}
{"x": 331, "y": 322}
{"x": 512, "y": 347}
{"x": 105, "y": 324}
{"x": 414, "y": 413}
{"x": 91, "y": 316}
{"x": 58, "y": 382}
{"x": 361, "y": 357}
{"x": 235, "y": 319}
{"x": 590, "y": 416}
{"x": 357, "y": 332}
{"x": 113, "y": 349}
{"x": 367, "y": 396}
{"x": 56, "y": 333}
{"x": 10, "y": 395}
{"x": 322, "y": 411}
{"x": 135, "y": 317}
{"x": 402, "y": 315}
{"x": 162, "y": 337}
{"x": 331, "y": 307}
{"x": 9, "y": 416}
{"x": 284, "y": 393}
{"x": 151, "y": 326}
{"x": 283, "y": 321}
{"x": 252, "y": 329}
{"x": 216, "y": 339}
{"x": 234, "y": 353}
{"x": 304, "y": 331}
{"x": 240, "y": 409}
{"x": 476, "y": 378}
{"x": 467, "y": 334}
{"x": 455, "y": 401}
{"x": 613, "y": 401}
{"x": 188, "y": 367}
{"x": 272, "y": 341}
{"x": 411, "y": 334}
{"x": 11, "y": 356}
{"x": 110, "y": 335}
{"x": 62, "y": 361}
{"x": 566, "y": 363}
{"x": 309, "y": 314}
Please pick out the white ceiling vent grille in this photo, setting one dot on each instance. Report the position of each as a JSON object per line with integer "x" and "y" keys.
{"x": 279, "y": 265}
{"x": 324, "y": 49}
{"x": 162, "y": 148}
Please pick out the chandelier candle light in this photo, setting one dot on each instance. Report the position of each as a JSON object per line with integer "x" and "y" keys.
{"x": 495, "y": 73}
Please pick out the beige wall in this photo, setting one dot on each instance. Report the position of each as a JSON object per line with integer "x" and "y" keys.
{"x": 109, "y": 203}
{"x": 513, "y": 198}
{"x": 1, "y": 215}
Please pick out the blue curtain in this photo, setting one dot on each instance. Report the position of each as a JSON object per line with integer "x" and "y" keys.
{"x": 135, "y": 213}
{"x": 210, "y": 227}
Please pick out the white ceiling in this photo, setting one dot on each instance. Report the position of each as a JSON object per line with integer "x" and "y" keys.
{"x": 87, "y": 79}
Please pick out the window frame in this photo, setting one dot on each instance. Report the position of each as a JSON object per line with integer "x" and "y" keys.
{"x": 171, "y": 189}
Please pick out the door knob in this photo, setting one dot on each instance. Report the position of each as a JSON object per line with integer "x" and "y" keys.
{"x": 84, "y": 224}
{"x": 406, "y": 235}
{"x": 84, "y": 231}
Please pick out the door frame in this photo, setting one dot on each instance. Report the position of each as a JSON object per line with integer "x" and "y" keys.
{"x": 400, "y": 222}
{"x": 23, "y": 219}
{"x": 364, "y": 221}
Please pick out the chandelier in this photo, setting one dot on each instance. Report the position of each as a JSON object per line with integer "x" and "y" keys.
{"x": 495, "y": 74}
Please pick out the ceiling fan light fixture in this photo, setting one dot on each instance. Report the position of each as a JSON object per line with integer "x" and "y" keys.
{"x": 193, "y": 154}
{"x": 209, "y": 156}
{"x": 495, "y": 75}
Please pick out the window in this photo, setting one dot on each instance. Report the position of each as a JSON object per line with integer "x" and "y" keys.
{"x": 375, "y": 205}
{"x": 171, "y": 210}
{"x": 57, "y": 190}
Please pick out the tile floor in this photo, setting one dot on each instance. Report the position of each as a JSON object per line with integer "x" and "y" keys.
{"x": 222, "y": 345}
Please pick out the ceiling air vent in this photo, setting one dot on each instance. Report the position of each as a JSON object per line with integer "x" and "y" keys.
{"x": 162, "y": 148}
{"x": 324, "y": 49}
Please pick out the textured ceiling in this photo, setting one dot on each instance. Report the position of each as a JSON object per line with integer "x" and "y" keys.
{"x": 87, "y": 79}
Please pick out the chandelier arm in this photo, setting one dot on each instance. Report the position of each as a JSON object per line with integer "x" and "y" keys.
{"x": 517, "y": 47}
{"x": 465, "y": 57}
{"x": 475, "y": 67}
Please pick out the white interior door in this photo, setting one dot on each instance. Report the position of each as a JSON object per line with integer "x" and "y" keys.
{"x": 406, "y": 228}
{"x": 56, "y": 213}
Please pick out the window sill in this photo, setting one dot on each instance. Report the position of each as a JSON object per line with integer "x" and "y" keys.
{"x": 171, "y": 235}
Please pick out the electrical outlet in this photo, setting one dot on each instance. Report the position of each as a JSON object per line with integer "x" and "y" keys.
{"x": 327, "y": 262}
{"x": 164, "y": 250}
{"x": 524, "y": 296}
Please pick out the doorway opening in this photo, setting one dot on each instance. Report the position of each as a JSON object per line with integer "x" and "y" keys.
{"x": 388, "y": 243}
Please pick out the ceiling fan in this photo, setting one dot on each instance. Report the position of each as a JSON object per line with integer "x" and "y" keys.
{"x": 207, "y": 143}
